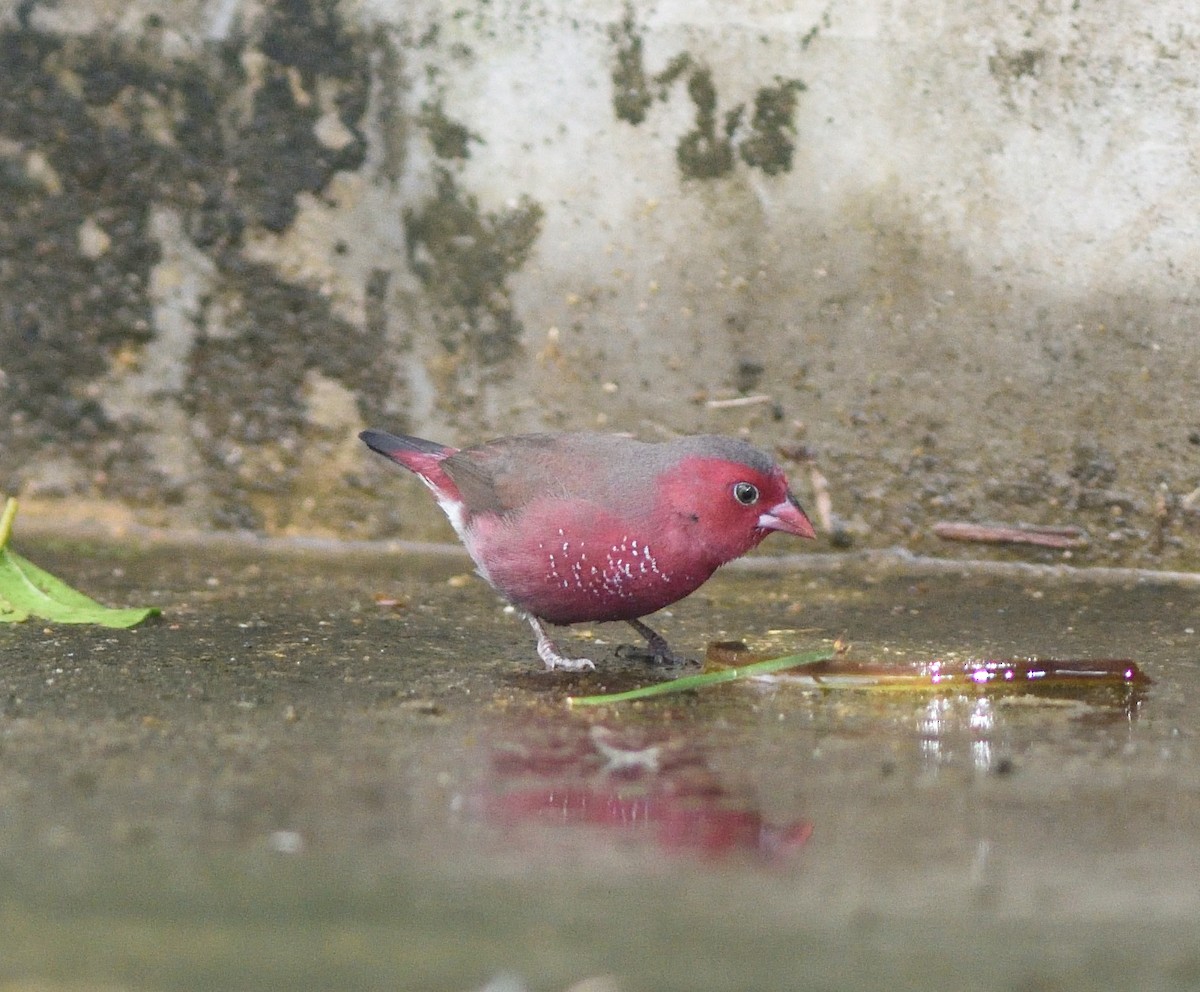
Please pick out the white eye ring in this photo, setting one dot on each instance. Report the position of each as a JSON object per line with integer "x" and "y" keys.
{"x": 745, "y": 493}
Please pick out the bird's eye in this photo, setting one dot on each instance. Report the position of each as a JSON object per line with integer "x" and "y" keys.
{"x": 745, "y": 493}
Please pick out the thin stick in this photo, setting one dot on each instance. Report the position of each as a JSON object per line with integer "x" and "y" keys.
{"x": 1046, "y": 537}
{"x": 823, "y": 501}
{"x": 759, "y": 399}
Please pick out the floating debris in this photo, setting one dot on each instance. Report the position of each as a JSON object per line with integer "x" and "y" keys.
{"x": 940, "y": 674}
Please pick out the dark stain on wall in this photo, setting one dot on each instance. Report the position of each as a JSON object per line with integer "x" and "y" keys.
{"x": 71, "y": 153}
{"x": 463, "y": 257}
{"x": 632, "y": 94}
{"x": 245, "y": 388}
{"x": 450, "y": 139}
{"x": 1008, "y": 65}
{"x": 703, "y": 153}
{"x": 277, "y": 154}
{"x": 708, "y": 150}
{"x": 768, "y": 145}
{"x": 95, "y": 133}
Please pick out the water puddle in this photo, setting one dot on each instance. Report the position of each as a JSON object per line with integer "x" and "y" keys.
{"x": 340, "y": 771}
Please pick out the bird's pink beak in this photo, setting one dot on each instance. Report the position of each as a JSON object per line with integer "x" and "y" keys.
{"x": 787, "y": 517}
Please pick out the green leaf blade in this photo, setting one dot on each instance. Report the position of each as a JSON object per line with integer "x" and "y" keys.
{"x": 27, "y": 590}
{"x": 689, "y": 682}
{"x": 35, "y": 586}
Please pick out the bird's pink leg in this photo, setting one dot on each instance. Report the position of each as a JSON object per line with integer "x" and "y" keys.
{"x": 548, "y": 651}
{"x": 657, "y": 647}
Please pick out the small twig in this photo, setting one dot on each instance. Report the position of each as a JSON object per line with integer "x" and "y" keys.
{"x": 759, "y": 399}
{"x": 1162, "y": 518}
{"x": 1044, "y": 537}
{"x": 6, "y": 522}
{"x": 822, "y": 501}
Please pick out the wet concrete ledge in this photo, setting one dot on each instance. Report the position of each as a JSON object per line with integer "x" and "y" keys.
{"x": 892, "y": 559}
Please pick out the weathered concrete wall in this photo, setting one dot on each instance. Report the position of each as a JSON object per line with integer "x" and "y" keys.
{"x": 956, "y": 245}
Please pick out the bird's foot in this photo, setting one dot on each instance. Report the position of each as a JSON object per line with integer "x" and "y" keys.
{"x": 555, "y": 660}
{"x": 662, "y": 656}
{"x": 657, "y": 651}
{"x": 560, "y": 662}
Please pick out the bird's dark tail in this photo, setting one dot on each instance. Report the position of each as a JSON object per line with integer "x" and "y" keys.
{"x": 401, "y": 447}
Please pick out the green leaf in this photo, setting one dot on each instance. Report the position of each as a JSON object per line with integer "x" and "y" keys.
{"x": 28, "y": 591}
{"x": 689, "y": 682}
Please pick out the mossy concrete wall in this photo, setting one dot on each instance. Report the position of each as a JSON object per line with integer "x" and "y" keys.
{"x": 950, "y": 250}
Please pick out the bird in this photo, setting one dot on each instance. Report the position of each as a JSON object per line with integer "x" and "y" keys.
{"x": 590, "y": 527}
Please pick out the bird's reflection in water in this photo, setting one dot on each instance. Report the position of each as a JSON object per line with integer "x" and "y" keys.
{"x": 627, "y": 786}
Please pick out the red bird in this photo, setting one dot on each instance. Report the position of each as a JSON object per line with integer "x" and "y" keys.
{"x": 593, "y": 527}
